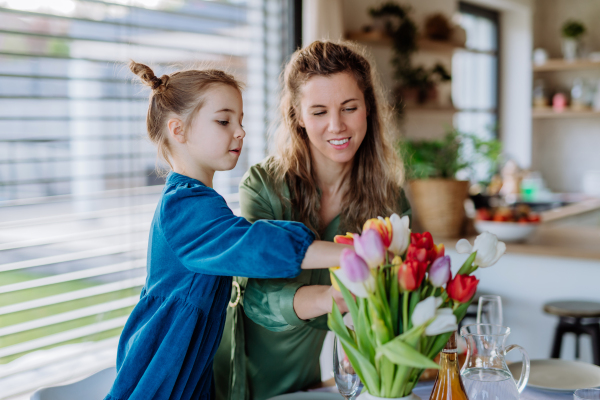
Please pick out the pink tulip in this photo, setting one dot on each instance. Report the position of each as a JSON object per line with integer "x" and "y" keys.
{"x": 355, "y": 268}
{"x": 439, "y": 272}
{"x": 370, "y": 247}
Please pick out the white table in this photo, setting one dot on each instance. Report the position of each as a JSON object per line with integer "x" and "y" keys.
{"x": 423, "y": 390}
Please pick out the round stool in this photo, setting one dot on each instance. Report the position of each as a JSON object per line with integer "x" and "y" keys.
{"x": 578, "y": 317}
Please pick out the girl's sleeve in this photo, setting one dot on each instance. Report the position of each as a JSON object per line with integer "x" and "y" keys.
{"x": 206, "y": 237}
{"x": 268, "y": 302}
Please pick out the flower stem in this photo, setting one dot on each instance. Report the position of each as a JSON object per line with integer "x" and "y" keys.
{"x": 405, "y": 311}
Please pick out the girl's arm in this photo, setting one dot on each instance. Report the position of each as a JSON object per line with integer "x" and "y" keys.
{"x": 206, "y": 237}
{"x": 321, "y": 254}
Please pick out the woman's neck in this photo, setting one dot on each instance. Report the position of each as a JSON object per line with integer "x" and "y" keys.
{"x": 331, "y": 175}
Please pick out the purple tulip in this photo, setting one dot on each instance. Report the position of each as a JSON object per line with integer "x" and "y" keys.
{"x": 439, "y": 272}
{"x": 355, "y": 268}
{"x": 370, "y": 247}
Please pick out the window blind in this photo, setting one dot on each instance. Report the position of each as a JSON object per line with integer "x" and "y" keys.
{"x": 77, "y": 181}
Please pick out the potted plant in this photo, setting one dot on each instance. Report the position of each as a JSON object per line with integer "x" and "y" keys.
{"x": 432, "y": 167}
{"x": 416, "y": 84}
{"x": 571, "y": 33}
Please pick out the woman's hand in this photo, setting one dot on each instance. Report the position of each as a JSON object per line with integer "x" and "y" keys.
{"x": 338, "y": 298}
{"x": 316, "y": 300}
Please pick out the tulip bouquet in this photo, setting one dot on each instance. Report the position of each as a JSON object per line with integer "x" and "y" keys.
{"x": 403, "y": 300}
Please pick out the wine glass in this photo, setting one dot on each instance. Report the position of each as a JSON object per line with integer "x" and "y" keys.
{"x": 346, "y": 379}
{"x": 489, "y": 310}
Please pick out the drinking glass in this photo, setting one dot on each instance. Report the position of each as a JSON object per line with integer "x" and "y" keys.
{"x": 489, "y": 310}
{"x": 346, "y": 379}
{"x": 587, "y": 394}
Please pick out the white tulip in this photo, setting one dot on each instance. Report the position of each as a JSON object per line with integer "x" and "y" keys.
{"x": 359, "y": 289}
{"x": 445, "y": 321}
{"x": 489, "y": 249}
{"x": 425, "y": 310}
{"x": 401, "y": 235}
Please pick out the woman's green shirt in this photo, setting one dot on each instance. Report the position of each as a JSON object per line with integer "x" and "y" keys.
{"x": 266, "y": 350}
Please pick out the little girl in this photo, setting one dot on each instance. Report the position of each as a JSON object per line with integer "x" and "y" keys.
{"x": 196, "y": 243}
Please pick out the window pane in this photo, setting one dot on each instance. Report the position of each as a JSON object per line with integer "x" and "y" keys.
{"x": 77, "y": 187}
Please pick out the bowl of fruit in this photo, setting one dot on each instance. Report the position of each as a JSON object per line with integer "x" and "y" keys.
{"x": 510, "y": 224}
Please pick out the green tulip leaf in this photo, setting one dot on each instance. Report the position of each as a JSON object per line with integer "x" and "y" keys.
{"x": 401, "y": 353}
{"x": 466, "y": 267}
{"x": 364, "y": 334}
{"x": 415, "y": 298}
{"x": 348, "y": 298}
{"x": 364, "y": 369}
{"x": 394, "y": 299}
{"x": 439, "y": 343}
{"x": 336, "y": 323}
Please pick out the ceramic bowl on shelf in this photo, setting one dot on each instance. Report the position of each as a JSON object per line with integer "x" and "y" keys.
{"x": 507, "y": 231}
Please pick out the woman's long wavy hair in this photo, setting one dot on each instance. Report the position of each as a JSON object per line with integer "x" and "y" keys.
{"x": 377, "y": 174}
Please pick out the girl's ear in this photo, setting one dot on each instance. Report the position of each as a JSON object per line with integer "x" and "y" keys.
{"x": 176, "y": 130}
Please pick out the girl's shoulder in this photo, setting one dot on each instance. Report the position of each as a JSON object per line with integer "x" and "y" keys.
{"x": 181, "y": 192}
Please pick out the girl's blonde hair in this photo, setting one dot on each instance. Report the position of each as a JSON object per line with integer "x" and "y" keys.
{"x": 180, "y": 93}
{"x": 374, "y": 184}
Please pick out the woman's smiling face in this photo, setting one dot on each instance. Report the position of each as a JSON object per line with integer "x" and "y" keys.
{"x": 334, "y": 115}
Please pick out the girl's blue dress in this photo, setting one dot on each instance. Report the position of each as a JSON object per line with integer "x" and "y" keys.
{"x": 196, "y": 245}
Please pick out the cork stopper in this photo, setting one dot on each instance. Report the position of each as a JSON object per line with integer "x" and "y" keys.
{"x": 451, "y": 345}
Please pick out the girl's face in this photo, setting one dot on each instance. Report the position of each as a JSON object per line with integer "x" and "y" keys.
{"x": 334, "y": 114}
{"x": 215, "y": 138}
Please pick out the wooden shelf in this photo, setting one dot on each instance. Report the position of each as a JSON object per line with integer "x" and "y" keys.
{"x": 381, "y": 38}
{"x": 550, "y": 113}
{"x": 429, "y": 109}
{"x": 558, "y": 64}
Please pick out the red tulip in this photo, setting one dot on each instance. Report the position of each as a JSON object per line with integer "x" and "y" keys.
{"x": 462, "y": 288}
{"x": 411, "y": 274}
{"x": 440, "y": 251}
{"x": 422, "y": 240}
{"x": 348, "y": 238}
{"x": 416, "y": 253}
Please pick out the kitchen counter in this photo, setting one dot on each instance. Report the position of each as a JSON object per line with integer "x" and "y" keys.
{"x": 571, "y": 231}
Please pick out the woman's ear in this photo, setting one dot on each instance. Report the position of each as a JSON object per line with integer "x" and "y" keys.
{"x": 176, "y": 130}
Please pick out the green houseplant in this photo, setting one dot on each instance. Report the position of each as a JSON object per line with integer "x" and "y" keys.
{"x": 431, "y": 169}
{"x": 572, "y": 31}
{"x": 414, "y": 82}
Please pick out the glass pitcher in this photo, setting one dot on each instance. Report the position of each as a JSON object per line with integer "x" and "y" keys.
{"x": 484, "y": 373}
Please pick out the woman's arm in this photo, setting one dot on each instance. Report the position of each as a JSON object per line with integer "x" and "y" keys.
{"x": 272, "y": 303}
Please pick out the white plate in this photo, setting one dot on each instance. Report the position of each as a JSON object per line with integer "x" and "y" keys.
{"x": 507, "y": 231}
{"x": 559, "y": 375}
{"x": 309, "y": 396}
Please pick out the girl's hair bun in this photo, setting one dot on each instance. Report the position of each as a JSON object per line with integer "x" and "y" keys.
{"x": 147, "y": 76}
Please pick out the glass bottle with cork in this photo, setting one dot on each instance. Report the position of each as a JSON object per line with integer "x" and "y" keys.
{"x": 448, "y": 384}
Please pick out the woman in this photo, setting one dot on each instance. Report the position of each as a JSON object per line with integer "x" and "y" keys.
{"x": 334, "y": 168}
